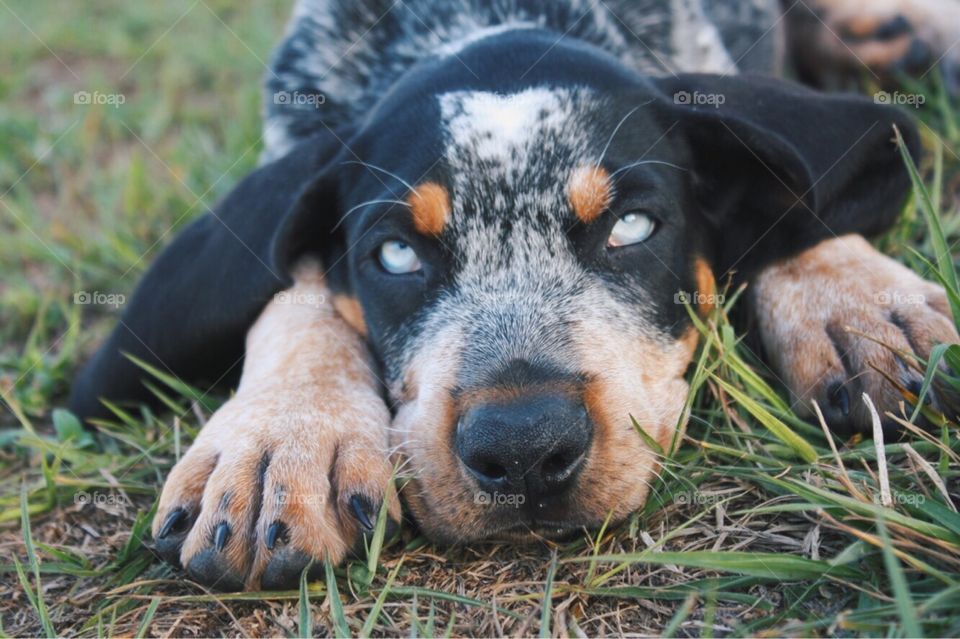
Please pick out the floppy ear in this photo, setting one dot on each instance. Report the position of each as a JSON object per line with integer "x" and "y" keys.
{"x": 191, "y": 311}
{"x": 308, "y": 225}
{"x": 778, "y": 167}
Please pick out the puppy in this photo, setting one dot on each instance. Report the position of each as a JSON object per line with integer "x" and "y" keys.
{"x": 465, "y": 261}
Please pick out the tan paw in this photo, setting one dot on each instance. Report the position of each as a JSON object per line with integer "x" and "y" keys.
{"x": 275, "y": 479}
{"x": 884, "y": 35}
{"x": 834, "y": 322}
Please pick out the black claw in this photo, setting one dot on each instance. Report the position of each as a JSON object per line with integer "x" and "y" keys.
{"x": 213, "y": 569}
{"x": 391, "y": 528}
{"x": 951, "y": 76}
{"x": 221, "y": 535}
{"x": 914, "y": 387}
{"x": 361, "y": 510}
{"x": 894, "y": 29}
{"x": 277, "y": 529}
{"x": 173, "y": 519}
{"x": 918, "y": 57}
{"x": 839, "y": 398}
{"x": 284, "y": 569}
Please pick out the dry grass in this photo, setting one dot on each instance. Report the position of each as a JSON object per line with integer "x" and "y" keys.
{"x": 747, "y": 532}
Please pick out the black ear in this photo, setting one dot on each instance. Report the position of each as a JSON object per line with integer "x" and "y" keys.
{"x": 309, "y": 222}
{"x": 308, "y": 226}
{"x": 779, "y": 167}
{"x": 191, "y": 311}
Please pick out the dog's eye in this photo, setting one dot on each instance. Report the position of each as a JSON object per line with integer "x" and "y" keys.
{"x": 632, "y": 228}
{"x": 398, "y": 257}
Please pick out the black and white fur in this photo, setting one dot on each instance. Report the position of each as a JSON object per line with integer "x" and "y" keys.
{"x": 345, "y": 55}
{"x": 523, "y": 331}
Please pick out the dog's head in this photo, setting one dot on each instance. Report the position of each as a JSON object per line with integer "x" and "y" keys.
{"x": 521, "y": 256}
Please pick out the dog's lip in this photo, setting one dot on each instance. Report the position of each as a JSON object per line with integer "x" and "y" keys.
{"x": 530, "y": 530}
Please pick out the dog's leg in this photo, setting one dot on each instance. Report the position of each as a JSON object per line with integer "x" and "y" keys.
{"x": 295, "y": 466}
{"x": 827, "y": 317}
{"x": 882, "y": 35}
{"x": 192, "y": 309}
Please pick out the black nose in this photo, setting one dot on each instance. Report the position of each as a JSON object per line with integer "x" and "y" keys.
{"x": 531, "y": 446}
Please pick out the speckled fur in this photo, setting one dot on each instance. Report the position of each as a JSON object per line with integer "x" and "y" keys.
{"x": 305, "y": 432}
{"x": 516, "y": 290}
{"x": 347, "y": 53}
{"x": 821, "y": 326}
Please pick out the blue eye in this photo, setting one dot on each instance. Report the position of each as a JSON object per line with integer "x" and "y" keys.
{"x": 632, "y": 228}
{"x": 398, "y": 257}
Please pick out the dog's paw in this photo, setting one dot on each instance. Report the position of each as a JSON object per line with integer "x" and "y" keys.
{"x": 889, "y": 36}
{"x": 276, "y": 479}
{"x": 840, "y": 320}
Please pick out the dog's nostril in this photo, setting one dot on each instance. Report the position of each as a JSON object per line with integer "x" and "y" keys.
{"x": 557, "y": 466}
{"x": 533, "y": 444}
{"x": 496, "y": 472}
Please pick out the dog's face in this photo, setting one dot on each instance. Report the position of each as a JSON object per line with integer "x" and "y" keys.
{"x": 522, "y": 295}
{"x": 516, "y": 260}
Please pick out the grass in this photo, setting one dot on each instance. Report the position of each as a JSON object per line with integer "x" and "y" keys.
{"x": 761, "y": 524}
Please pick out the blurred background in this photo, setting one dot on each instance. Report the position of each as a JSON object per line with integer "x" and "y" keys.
{"x": 120, "y": 122}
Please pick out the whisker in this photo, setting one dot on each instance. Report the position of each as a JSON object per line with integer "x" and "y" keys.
{"x": 367, "y": 203}
{"x": 374, "y": 167}
{"x": 617, "y": 128}
{"x": 642, "y": 162}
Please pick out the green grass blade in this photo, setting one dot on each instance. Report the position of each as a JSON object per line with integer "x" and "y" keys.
{"x": 647, "y": 439}
{"x": 378, "y": 604}
{"x": 756, "y": 564}
{"x": 34, "y": 563}
{"x": 901, "y": 592}
{"x": 175, "y": 383}
{"x": 547, "y": 608}
{"x": 305, "y": 625}
{"x": 340, "y": 626}
{"x": 379, "y": 532}
{"x": 783, "y": 432}
{"x": 937, "y": 237}
{"x": 147, "y": 619}
{"x": 936, "y": 354}
{"x": 25, "y": 582}
{"x": 825, "y": 498}
{"x": 683, "y": 611}
{"x": 454, "y": 598}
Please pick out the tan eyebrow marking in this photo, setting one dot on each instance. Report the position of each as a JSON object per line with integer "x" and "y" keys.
{"x": 590, "y": 192}
{"x": 430, "y": 205}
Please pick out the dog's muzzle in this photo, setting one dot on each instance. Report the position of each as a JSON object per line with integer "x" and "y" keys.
{"x": 526, "y": 451}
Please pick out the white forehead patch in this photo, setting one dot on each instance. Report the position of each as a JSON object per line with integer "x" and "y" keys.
{"x": 494, "y": 125}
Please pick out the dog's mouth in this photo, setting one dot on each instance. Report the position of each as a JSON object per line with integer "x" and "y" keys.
{"x": 553, "y": 520}
{"x": 528, "y": 452}
{"x": 528, "y": 532}
{"x": 476, "y": 516}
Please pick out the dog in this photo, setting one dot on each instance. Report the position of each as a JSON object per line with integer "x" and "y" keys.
{"x": 471, "y": 256}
